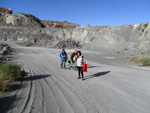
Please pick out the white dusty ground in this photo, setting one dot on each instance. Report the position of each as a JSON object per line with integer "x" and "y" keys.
{"x": 107, "y": 88}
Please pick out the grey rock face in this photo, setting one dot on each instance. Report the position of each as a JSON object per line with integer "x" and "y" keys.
{"x": 134, "y": 38}
{"x": 3, "y": 16}
{"x": 125, "y": 37}
{"x": 145, "y": 39}
{"x": 20, "y": 19}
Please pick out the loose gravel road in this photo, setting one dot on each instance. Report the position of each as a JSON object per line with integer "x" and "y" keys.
{"x": 49, "y": 89}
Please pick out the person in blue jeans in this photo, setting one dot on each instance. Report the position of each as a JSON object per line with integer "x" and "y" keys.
{"x": 63, "y": 56}
{"x": 73, "y": 58}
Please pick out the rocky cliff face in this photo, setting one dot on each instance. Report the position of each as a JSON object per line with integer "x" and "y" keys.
{"x": 145, "y": 39}
{"x": 134, "y": 38}
{"x": 128, "y": 38}
{"x": 19, "y": 19}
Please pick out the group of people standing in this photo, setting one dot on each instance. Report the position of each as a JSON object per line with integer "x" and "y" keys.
{"x": 76, "y": 62}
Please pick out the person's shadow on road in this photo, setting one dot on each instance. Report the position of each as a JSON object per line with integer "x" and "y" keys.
{"x": 26, "y": 77}
{"x": 97, "y": 74}
{"x": 93, "y": 66}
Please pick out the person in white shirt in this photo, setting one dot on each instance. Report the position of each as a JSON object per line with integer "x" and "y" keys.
{"x": 80, "y": 61}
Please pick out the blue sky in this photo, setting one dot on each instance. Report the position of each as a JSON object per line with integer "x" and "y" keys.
{"x": 93, "y": 12}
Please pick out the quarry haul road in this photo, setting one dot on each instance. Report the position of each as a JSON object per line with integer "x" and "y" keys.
{"x": 106, "y": 89}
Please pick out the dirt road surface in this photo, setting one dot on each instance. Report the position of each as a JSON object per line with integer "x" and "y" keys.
{"x": 49, "y": 89}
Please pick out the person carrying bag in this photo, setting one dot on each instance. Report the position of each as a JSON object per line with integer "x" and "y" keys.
{"x": 80, "y": 62}
{"x": 84, "y": 69}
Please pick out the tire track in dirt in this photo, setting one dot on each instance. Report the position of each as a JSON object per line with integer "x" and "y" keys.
{"x": 56, "y": 91}
{"x": 62, "y": 92}
{"x": 51, "y": 106}
{"x": 29, "y": 91}
{"x": 77, "y": 90}
{"x": 21, "y": 95}
{"x": 37, "y": 70}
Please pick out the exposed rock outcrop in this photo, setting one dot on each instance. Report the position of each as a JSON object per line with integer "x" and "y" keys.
{"x": 134, "y": 39}
{"x": 58, "y": 24}
{"x": 26, "y": 20}
{"x": 145, "y": 39}
{"x": 3, "y": 9}
{"x": 19, "y": 19}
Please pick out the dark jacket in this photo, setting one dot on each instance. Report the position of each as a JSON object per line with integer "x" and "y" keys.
{"x": 72, "y": 55}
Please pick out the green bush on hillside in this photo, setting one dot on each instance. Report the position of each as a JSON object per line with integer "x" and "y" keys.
{"x": 3, "y": 85}
{"x": 142, "y": 30}
{"x": 135, "y": 60}
{"x": 9, "y": 71}
{"x": 145, "y": 61}
{"x": 145, "y": 25}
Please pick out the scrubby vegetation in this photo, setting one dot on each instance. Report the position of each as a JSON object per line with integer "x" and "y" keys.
{"x": 145, "y": 25}
{"x": 144, "y": 61}
{"x": 1, "y": 47}
{"x": 3, "y": 85}
{"x": 135, "y": 60}
{"x": 8, "y": 72}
